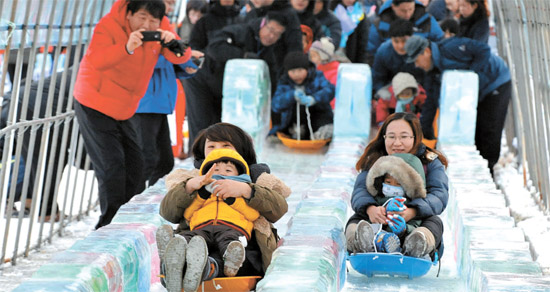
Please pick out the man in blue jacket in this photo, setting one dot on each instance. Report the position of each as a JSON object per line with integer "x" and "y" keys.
{"x": 153, "y": 130}
{"x": 495, "y": 86}
{"x": 410, "y": 10}
{"x": 390, "y": 58}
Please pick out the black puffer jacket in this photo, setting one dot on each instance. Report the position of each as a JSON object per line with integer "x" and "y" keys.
{"x": 307, "y": 18}
{"x": 330, "y": 24}
{"x": 217, "y": 18}
{"x": 291, "y": 38}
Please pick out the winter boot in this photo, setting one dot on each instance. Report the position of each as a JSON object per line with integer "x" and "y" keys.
{"x": 163, "y": 236}
{"x": 364, "y": 236}
{"x": 197, "y": 257}
{"x": 419, "y": 243}
{"x": 233, "y": 258}
{"x": 387, "y": 242}
{"x": 173, "y": 263}
{"x": 210, "y": 270}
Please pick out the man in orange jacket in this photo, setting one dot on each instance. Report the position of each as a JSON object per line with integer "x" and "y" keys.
{"x": 113, "y": 77}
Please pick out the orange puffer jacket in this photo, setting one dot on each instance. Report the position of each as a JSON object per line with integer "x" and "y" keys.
{"x": 112, "y": 81}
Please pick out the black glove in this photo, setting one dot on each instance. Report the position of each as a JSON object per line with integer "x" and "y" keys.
{"x": 229, "y": 201}
{"x": 251, "y": 55}
{"x": 178, "y": 47}
{"x": 203, "y": 193}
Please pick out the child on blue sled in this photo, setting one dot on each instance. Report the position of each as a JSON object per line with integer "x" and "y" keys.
{"x": 391, "y": 182}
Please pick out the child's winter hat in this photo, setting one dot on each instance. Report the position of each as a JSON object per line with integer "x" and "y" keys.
{"x": 219, "y": 155}
{"x": 402, "y": 81}
{"x": 406, "y": 168}
{"x": 295, "y": 60}
{"x": 324, "y": 47}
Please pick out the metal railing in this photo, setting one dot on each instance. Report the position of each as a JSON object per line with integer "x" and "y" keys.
{"x": 43, "y": 165}
{"x": 39, "y": 136}
{"x": 523, "y": 31}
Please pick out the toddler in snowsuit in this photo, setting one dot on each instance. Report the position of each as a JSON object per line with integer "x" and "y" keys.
{"x": 217, "y": 226}
{"x": 321, "y": 54}
{"x": 303, "y": 92}
{"x": 406, "y": 95}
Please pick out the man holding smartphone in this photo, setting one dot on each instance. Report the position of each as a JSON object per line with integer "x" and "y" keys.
{"x": 112, "y": 78}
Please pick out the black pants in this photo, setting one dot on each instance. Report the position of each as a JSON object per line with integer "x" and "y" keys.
{"x": 203, "y": 99}
{"x": 491, "y": 114}
{"x": 318, "y": 117}
{"x": 154, "y": 135}
{"x": 435, "y": 225}
{"x": 114, "y": 149}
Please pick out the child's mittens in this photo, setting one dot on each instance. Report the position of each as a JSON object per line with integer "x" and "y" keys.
{"x": 298, "y": 94}
{"x": 303, "y": 99}
{"x": 396, "y": 204}
{"x": 307, "y": 100}
{"x": 396, "y": 223}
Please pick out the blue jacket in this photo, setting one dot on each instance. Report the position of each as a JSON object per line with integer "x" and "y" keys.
{"x": 283, "y": 101}
{"x": 387, "y": 63}
{"x": 161, "y": 94}
{"x": 437, "y": 191}
{"x": 424, "y": 25}
{"x": 463, "y": 54}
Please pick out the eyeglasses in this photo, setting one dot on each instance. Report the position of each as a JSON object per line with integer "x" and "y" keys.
{"x": 273, "y": 31}
{"x": 392, "y": 138}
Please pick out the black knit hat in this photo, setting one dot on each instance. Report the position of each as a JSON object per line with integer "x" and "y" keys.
{"x": 295, "y": 60}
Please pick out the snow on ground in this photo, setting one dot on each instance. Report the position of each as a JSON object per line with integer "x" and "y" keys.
{"x": 12, "y": 276}
{"x": 526, "y": 208}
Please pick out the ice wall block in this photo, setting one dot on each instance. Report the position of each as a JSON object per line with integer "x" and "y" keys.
{"x": 458, "y": 107}
{"x": 353, "y": 101}
{"x": 247, "y": 97}
{"x": 107, "y": 263}
{"x": 131, "y": 251}
{"x": 151, "y": 218}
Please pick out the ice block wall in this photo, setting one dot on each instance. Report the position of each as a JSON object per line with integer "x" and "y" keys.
{"x": 491, "y": 252}
{"x": 311, "y": 255}
{"x": 247, "y": 97}
{"x": 458, "y": 107}
{"x": 353, "y": 101}
{"x": 121, "y": 256}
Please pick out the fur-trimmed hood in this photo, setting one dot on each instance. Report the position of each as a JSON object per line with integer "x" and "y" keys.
{"x": 406, "y": 168}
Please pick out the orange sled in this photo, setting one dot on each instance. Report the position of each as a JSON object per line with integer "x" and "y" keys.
{"x": 237, "y": 284}
{"x": 301, "y": 144}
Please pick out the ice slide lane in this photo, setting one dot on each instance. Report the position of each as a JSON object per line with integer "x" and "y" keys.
{"x": 478, "y": 256}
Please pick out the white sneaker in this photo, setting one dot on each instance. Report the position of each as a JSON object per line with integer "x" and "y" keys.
{"x": 233, "y": 258}
{"x": 197, "y": 256}
{"x": 174, "y": 259}
{"x": 163, "y": 235}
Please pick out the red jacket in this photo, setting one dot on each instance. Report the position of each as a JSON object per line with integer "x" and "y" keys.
{"x": 109, "y": 79}
{"x": 386, "y": 107}
{"x": 330, "y": 70}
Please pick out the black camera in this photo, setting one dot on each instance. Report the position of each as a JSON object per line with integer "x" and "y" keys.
{"x": 150, "y": 36}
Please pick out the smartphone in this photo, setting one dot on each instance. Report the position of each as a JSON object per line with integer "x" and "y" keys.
{"x": 150, "y": 36}
{"x": 198, "y": 61}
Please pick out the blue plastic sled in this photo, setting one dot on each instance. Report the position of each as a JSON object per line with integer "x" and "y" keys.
{"x": 389, "y": 264}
